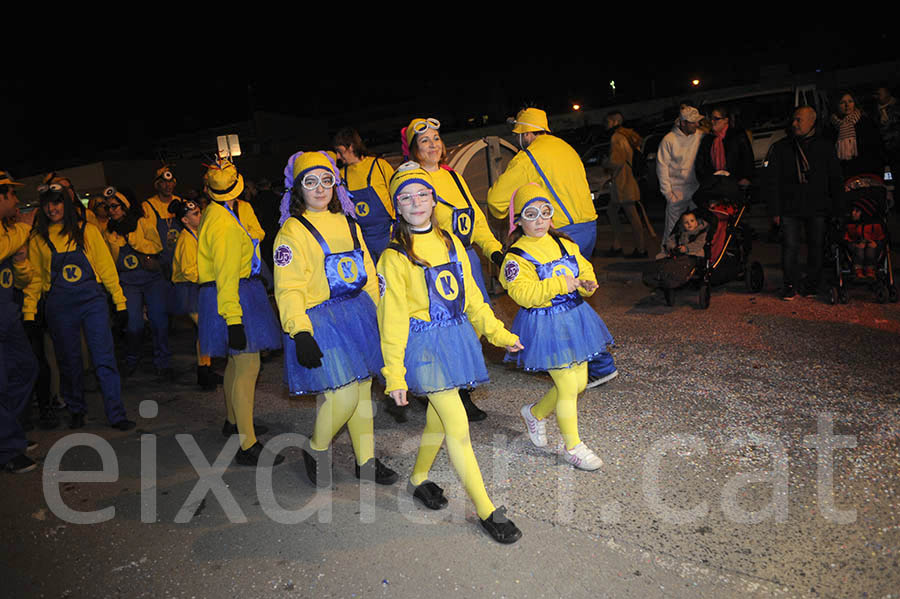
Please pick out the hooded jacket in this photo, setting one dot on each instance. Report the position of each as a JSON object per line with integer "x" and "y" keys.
{"x": 675, "y": 165}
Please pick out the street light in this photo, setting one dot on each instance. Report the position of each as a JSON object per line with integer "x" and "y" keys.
{"x": 695, "y": 82}
{"x": 576, "y": 106}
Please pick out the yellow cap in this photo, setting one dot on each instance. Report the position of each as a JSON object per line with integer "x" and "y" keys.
{"x": 223, "y": 182}
{"x": 164, "y": 173}
{"x": 526, "y": 194}
{"x": 7, "y": 179}
{"x": 531, "y": 119}
{"x": 309, "y": 161}
{"x": 406, "y": 173}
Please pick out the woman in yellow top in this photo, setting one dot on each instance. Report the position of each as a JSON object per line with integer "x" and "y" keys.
{"x": 545, "y": 274}
{"x": 70, "y": 261}
{"x": 428, "y": 309}
{"x": 135, "y": 249}
{"x": 367, "y": 178}
{"x": 184, "y": 276}
{"x": 235, "y": 318}
{"x": 326, "y": 289}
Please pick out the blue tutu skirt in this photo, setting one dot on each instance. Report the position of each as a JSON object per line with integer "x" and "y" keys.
{"x": 559, "y": 336}
{"x": 261, "y": 326}
{"x": 186, "y": 298}
{"x": 346, "y": 331}
{"x": 443, "y": 355}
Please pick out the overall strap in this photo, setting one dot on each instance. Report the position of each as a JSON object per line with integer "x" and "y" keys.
{"x": 315, "y": 233}
{"x": 452, "y": 249}
{"x": 149, "y": 203}
{"x": 523, "y": 254}
{"x": 550, "y": 187}
{"x": 562, "y": 248}
{"x": 352, "y": 224}
{"x": 369, "y": 176}
{"x": 462, "y": 190}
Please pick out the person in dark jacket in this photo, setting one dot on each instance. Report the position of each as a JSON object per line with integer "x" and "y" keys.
{"x": 724, "y": 159}
{"x": 856, "y": 139}
{"x": 802, "y": 183}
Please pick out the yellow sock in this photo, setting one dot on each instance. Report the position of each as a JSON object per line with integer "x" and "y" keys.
{"x": 350, "y": 405}
{"x": 241, "y": 392}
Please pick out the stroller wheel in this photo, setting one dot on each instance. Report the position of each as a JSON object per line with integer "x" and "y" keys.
{"x": 843, "y": 295}
{"x": 892, "y": 294}
{"x": 754, "y": 278}
{"x": 881, "y": 293}
{"x": 704, "y": 296}
{"x": 669, "y": 295}
{"x": 833, "y": 296}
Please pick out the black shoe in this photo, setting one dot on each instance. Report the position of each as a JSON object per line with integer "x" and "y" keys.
{"x": 319, "y": 477}
{"x": 788, "y": 293}
{"x": 229, "y": 429}
{"x": 637, "y": 255}
{"x": 77, "y": 421}
{"x": 809, "y": 291}
{"x": 501, "y": 528}
{"x": 431, "y": 495}
{"x": 206, "y": 378}
{"x": 375, "y": 470}
{"x": 123, "y": 425}
{"x": 473, "y": 412}
{"x": 250, "y": 456}
{"x": 398, "y": 412}
{"x": 30, "y": 445}
{"x": 612, "y": 252}
{"x": 19, "y": 465}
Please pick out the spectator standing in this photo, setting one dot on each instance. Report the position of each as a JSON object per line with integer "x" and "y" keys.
{"x": 856, "y": 139}
{"x": 802, "y": 183}
{"x": 675, "y": 168}
{"x": 266, "y": 205}
{"x": 725, "y": 157}
{"x": 888, "y": 120}
{"x": 625, "y": 193}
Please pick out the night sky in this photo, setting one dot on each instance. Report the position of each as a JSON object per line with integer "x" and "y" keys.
{"x": 96, "y": 107}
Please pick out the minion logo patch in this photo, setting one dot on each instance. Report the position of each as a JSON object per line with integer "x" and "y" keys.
{"x": 283, "y": 255}
{"x": 6, "y": 278}
{"x": 447, "y": 286}
{"x": 511, "y": 270}
{"x": 464, "y": 224}
{"x": 130, "y": 261}
{"x": 561, "y": 271}
{"x": 347, "y": 270}
{"x": 362, "y": 209}
{"x": 382, "y": 285}
{"x": 172, "y": 238}
{"x": 72, "y": 273}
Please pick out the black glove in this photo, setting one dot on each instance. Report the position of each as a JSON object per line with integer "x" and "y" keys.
{"x": 497, "y": 258}
{"x": 120, "y": 319}
{"x": 236, "y": 337}
{"x": 308, "y": 353}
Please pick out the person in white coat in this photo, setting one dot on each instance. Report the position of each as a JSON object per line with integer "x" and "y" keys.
{"x": 675, "y": 167}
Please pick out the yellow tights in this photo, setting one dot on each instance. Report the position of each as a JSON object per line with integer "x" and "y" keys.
{"x": 563, "y": 398}
{"x": 241, "y": 371}
{"x": 446, "y": 418}
{"x": 350, "y": 405}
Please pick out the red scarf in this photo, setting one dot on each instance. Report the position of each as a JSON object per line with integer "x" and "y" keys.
{"x": 718, "y": 150}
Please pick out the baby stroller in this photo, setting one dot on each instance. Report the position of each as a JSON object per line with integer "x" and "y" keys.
{"x": 726, "y": 252}
{"x": 861, "y": 190}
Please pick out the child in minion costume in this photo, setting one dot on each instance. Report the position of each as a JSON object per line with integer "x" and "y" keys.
{"x": 545, "y": 274}
{"x": 71, "y": 261}
{"x": 184, "y": 276}
{"x": 235, "y": 318}
{"x": 428, "y": 315}
{"x": 135, "y": 249}
{"x": 326, "y": 289}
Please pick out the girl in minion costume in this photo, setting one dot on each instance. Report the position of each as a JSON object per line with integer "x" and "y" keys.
{"x": 428, "y": 315}
{"x": 184, "y": 276}
{"x": 456, "y": 211}
{"x": 135, "y": 249}
{"x": 326, "y": 289}
{"x": 367, "y": 178}
{"x": 235, "y": 318}
{"x": 547, "y": 276}
{"x": 71, "y": 261}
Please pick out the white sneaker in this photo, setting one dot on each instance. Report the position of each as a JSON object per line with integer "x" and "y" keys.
{"x": 536, "y": 429}
{"x": 581, "y": 457}
{"x": 597, "y": 381}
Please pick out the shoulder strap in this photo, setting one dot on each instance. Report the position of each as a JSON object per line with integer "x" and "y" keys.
{"x": 549, "y": 186}
{"x": 523, "y": 254}
{"x": 369, "y": 176}
{"x": 462, "y": 189}
{"x": 315, "y": 233}
{"x": 149, "y": 203}
{"x": 562, "y": 248}
{"x": 452, "y": 249}
{"x": 352, "y": 224}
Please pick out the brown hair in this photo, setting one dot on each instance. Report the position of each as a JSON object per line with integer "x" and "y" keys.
{"x": 350, "y": 138}
{"x": 414, "y": 150}
{"x": 298, "y": 204}
{"x": 403, "y": 235}
{"x": 518, "y": 232}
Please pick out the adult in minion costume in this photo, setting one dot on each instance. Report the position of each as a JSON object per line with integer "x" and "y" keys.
{"x": 548, "y": 161}
{"x": 156, "y": 216}
{"x": 367, "y": 178}
{"x": 456, "y": 211}
{"x": 326, "y": 288}
{"x": 135, "y": 250}
{"x": 235, "y": 317}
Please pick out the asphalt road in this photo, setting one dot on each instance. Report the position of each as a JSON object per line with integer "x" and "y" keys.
{"x": 750, "y": 450}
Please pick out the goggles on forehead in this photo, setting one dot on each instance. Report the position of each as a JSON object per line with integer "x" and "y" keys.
{"x": 109, "y": 192}
{"x": 166, "y": 176}
{"x": 405, "y": 199}
{"x": 429, "y": 123}
{"x": 49, "y": 187}
{"x": 191, "y": 206}
{"x": 312, "y": 181}
{"x": 536, "y": 211}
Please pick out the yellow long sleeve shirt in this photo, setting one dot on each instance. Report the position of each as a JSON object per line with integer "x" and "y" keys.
{"x": 224, "y": 256}
{"x": 522, "y": 282}
{"x": 184, "y": 263}
{"x": 355, "y": 176}
{"x": 448, "y": 191}
{"x": 97, "y": 252}
{"x": 248, "y": 217}
{"x": 11, "y": 241}
{"x": 142, "y": 239}
{"x": 300, "y": 281}
{"x": 562, "y": 167}
{"x": 406, "y": 296}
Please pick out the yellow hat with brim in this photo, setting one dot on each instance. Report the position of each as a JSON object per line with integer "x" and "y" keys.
{"x": 7, "y": 179}
{"x": 406, "y": 173}
{"x": 529, "y": 120}
{"x": 223, "y": 183}
{"x": 310, "y": 161}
